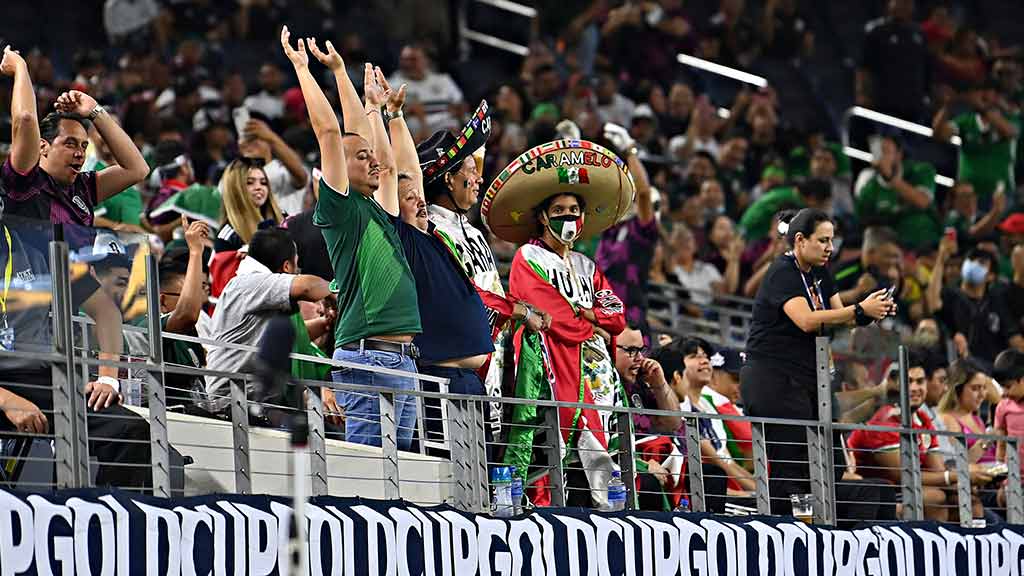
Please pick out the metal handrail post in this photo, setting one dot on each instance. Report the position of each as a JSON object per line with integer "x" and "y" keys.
{"x": 555, "y": 470}
{"x": 1014, "y": 496}
{"x": 910, "y": 460}
{"x": 825, "y": 505}
{"x": 693, "y": 464}
{"x": 160, "y": 448}
{"x": 627, "y": 467}
{"x": 762, "y": 491}
{"x": 389, "y": 444}
{"x": 68, "y": 398}
{"x": 240, "y": 436}
{"x": 317, "y": 445}
{"x": 481, "y": 492}
{"x": 963, "y": 481}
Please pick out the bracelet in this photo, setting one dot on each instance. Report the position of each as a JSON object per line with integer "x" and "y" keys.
{"x": 110, "y": 381}
{"x": 371, "y": 110}
{"x": 529, "y": 312}
{"x": 859, "y": 316}
{"x": 96, "y": 112}
{"x": 395, "y": 115}
{"x": 945, "y": 475}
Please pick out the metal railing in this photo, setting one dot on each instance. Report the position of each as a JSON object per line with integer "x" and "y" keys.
{"x": 233, "y": 452}
{"x": 894, "y": 122}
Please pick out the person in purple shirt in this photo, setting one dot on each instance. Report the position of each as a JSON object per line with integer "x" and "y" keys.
{"x": 43, "y": 174}
{"x": 626, "y": 249}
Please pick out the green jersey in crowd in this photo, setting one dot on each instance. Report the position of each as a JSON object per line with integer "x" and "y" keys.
{"x": 376, "y": 289}
{"x": 757, "y": 220}
{"x": 878, "y": 204}
{"x": 125, "y": 207}
{"x": 986, "y": 157}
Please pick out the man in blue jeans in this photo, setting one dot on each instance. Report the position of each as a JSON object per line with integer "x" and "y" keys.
{"x": 378, "y": 311}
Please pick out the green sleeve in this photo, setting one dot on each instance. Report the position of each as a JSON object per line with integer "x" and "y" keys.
{"x": 125, "y": 207}
{"x": 333, "y": 208}
{"x": 757, "y": 219}
{"x": 922, "y": 175}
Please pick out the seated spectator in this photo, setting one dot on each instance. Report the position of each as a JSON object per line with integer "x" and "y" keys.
{"x": 268, "y": 101}
{"x": 1015, "y": 289}
{"x": 724, "y": 250}
{"x": 879, "y": 252}
{"x": 266, "y": 284}
{"x": 435, "y": 101}
{"x": 174, "y": 172}
{"x": 899, "y": 193}
{"x": 122, "y": 211}
{"x": 974, "y": 312}
{"x": 968, "y": 388}
{"x": 701, "y": 279}
{"x": 1009, "y": 419}
{"x": 936, "y": 371}
{"x": 27, "y": 394}
{"x": 964, "y": 217}
{"x": 988, "y": 131}
{"x": 281, "y": 164}
{"x": 857, "y": 398}
{"x": 681, "y": 103}
{"x": 730, "y": 36}
{"x": 248, "y": 203}
{"x": 878, "y": 453}
{"x": 962, "y": 62}
{"x": 722, "y": 396}
{"x": 732, "y": 172}
{"x": 612, "y": 106}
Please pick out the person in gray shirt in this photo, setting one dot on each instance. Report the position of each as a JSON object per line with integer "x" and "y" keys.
{"x": 266, "y": 284}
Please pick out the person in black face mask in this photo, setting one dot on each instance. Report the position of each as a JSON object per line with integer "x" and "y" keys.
{"x": 796, "y": 302}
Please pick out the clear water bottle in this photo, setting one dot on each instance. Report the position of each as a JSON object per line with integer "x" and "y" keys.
{"x": 684, "y": 505}
{"x": 616, "y": 492}
{"x": 517, "y": 492}
{"x": 501, "y": 482}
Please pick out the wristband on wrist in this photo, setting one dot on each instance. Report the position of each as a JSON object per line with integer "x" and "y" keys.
{"x": 859, "y": 316}
{"x": 529, "y": 312}
{"x": 96, "y": 112}
{"x": 395, "y": 115}
{"x": 110, "y": 381}
{"x": 372, "y": 110}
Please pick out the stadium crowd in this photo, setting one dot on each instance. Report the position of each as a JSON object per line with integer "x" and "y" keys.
{"x": 314, "y": 184}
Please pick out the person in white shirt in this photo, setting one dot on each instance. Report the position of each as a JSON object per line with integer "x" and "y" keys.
{"x": 269, "y": 101}
{"x": 283, "y": 166}
{"x": 433, "y": 100}
{"x": 701, "y": 279}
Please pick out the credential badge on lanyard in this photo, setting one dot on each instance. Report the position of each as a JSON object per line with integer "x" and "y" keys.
{"x": 818, "y": 302}
{"x": 6, "y": 331}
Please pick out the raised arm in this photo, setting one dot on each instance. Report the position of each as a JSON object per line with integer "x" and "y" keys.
{"x": 324, "y": 122}
{"x": 190, "y": 303}
{"x": 354, "y": 119}
{"x": 24, "y": 117}
{"x": 406, "y": 159}
{"x": 387, "y": 191}
{"x": 933, "y": 293}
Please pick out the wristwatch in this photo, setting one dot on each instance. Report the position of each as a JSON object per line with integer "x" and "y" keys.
{"x": 96, "y": 112}
{"x": 394, "y": 115}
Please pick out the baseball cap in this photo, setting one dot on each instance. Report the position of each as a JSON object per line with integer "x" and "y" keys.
{"x": 728, "y": 360}
{"x": 1013, "y": 224}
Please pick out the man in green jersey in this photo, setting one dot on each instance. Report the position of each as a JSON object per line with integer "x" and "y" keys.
{"x": 378, "y": 312}
{"x": 899, "y": 193}
{"x": 757, "y": 220}
{"x": 988, "y": 130}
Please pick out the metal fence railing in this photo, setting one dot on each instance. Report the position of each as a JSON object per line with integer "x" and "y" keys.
{"x": 176, "y": 449}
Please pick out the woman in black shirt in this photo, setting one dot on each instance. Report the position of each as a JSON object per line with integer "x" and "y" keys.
{"x": 795, "y": 302}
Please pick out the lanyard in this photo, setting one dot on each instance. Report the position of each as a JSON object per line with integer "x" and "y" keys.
{"x": 813, "y": 292}
{"x": 8, "y": 272}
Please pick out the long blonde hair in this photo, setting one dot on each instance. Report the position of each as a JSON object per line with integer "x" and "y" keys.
{"x": 961, "y": 373}
{"x": 238, "y": 209}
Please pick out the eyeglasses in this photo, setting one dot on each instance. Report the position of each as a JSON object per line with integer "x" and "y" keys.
{"x": 633, "y": 351}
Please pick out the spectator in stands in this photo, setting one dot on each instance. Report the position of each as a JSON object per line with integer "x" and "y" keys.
{"x": 248, "y": 203}
{"x": 435, "y": 101}
{"x": 268, "y": 101}
{"x": 877, "y": 453}
{"x": 879, "y": 252}
{"x": 173, "y": 171}
{"x": 988, "y": 130}
{"x": 974, "y": 312}
{"x": 894, "y": 75}
{"x": 645, "y": 385}
{"x": 1009, "y": 419}
{"x": 1015, "y": 289}
{"x": 938, "y": 383}
{"x": 281, "y": 164}
{"x": 110, "y": 265}
{"x": 898, "y": 192}
{"x": 858, "y": 398}
{"x": 964, "y": 217}
{"x": 120, "y": 212}
{"x": 764, "y": 251}
{"x": 43, "y": 173}
{"x": 377, "y": 323}
{"x": 756, "y": 221}
{"x": 785, "y": 34}
{"x": 643, "y": 38}
{"x": 796, "y": 298}
{"x": 612, "y": 106}
{"x": 969, "y": 387}
{"x": 25, "y": 402}
{"x": 267, "y": 284}
{"x": 211, "y": 148}
{"x": 681, "y": 103}
{"x": 626, "y": 250}
{"x": 962, "y": 61}
{"x": 184, "y": 291}
{"x": 724, "y": 250}
{"x": 730, "y": 37}
{"x": 722, "y": 396}
{"x": 700, "y": 279}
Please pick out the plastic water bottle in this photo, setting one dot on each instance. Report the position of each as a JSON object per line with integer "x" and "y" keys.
{"x": 501, "y": 480}
{"x": 684, "y": 505}
{"x": 616, "y": 492}
{"x": 517, "y": 493}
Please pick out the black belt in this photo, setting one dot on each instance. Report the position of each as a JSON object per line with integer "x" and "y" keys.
{"x": 405, "y": 349}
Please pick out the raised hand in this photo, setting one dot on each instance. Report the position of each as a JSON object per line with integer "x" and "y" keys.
{"x": 331, "y": 58}
{"x": 372, "y": 91}
{"x": 396, "y": 99}
{"x": 196, "y": 234}
{"x": 619, "y": 136}
{"x": 298, "y": 56}
{"x": 11, "y": 62}
{"x": 75, "y": 102}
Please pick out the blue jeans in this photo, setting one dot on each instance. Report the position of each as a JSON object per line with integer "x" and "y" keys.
{"x": 362, "y": 409}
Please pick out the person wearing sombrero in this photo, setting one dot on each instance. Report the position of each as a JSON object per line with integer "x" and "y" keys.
{"x": 547, "y": 199}
{"x": 450, "y": 166}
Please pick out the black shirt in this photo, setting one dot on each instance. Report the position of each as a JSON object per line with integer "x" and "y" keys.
{"x": 1015, "y": 303}
{"x": 313, "y": 256}
{"x": 773, "y": 335}
{"x": 896, "y": 56}
{"x": 987, "y": 322}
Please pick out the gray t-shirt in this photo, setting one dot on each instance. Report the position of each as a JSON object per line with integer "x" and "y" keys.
{"x": 248, "y": 302}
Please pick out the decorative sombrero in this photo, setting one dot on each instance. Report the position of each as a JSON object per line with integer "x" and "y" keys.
{"x": 578, "y": 167}
{"x": 444, "y": 151}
